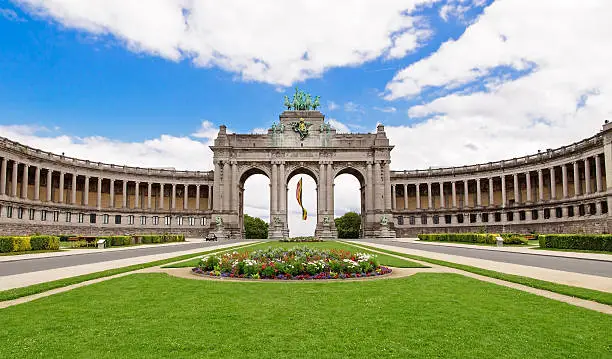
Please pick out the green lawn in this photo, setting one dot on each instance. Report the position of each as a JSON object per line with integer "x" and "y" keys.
{"x": 383, "y": 259}
{"x": 578, "y": 292}
{"x": 423, "y": 316}
{"x": 10, "y": 294}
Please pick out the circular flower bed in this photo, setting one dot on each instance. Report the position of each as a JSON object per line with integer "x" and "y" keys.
{"x": 297, "y": 263}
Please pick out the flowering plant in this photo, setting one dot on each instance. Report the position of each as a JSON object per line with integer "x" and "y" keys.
{"x": 295, "y": 263}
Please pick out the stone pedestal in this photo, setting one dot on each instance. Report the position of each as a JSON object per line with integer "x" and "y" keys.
{"x": 326, "y": 228}
{"x": 277, "y": 229}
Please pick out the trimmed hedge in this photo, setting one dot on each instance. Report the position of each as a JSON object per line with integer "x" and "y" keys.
{"x": 590, "y": 242}
{"x": 159, "y": 238}
{"x": 14, "y": 244}
{"x": 484, "y": 238}
{"x": 44, "y": 243}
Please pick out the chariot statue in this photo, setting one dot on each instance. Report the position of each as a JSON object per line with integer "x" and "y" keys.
{"x": 302, "y": 101}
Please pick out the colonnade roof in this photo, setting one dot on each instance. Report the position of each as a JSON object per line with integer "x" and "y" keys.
{"x": 21, "y": 150}
{"x": 539, "y": 158}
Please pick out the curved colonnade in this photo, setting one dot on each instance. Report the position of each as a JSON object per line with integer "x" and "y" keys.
{"x": 50, "y": 193}
{"x": 562, "y": 190}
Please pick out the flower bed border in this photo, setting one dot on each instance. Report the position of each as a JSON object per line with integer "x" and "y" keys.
{"x": 281, "y": 277}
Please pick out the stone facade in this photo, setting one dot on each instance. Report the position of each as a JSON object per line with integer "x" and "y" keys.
{"x": 560, "y": 190}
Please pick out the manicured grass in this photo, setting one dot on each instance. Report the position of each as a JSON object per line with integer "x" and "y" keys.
{"x": 383, "y": 259}
{"x": 578, "y": 292}
{"x": 43, "y": 287}
{"x": 422, "y": 316}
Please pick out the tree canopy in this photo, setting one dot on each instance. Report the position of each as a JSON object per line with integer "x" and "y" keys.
{"x": 348, "y": 225}
{"x": 255, "y": 228}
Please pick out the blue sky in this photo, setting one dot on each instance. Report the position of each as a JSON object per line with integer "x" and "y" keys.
{"x": 55, "y": 76}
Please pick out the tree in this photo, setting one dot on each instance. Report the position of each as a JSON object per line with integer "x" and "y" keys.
{"x": 255, "y": 228}
{"x": 348, "y": 226}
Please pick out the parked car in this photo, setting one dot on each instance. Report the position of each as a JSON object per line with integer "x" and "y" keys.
{"x": 211, "y": 237}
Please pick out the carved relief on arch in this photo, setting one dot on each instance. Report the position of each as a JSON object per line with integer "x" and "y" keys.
{"x": 356, "y": 169}
{"x": 308, "y": 168}
{"x": 248, "y": 169}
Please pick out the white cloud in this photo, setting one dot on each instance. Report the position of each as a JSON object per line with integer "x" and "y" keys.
{"x": 268, "y": 41}
{"x": 259, "y": 131}
{"x": 458, "y": 8}
{"x": 526, "y": 75}
{"x": 389, "y": 109}
{"x": 11, "y": 15}
{"x": 331, "y": 105}
{"x": 353, "y": 107}
{"x": 339, "y": 126}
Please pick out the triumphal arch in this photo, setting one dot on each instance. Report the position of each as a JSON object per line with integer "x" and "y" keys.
{"x": 301, "y": 142}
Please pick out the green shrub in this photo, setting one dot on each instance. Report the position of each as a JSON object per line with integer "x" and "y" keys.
{"x": 591, "y": 242}
{"x": 44, "y": 243}
{"x": 14, "y": 244}
{"x": 459, "y": 237}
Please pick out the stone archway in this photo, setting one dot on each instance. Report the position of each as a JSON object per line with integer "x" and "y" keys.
{"x": 244, "y": 176}
{"x": 302, "y": 141}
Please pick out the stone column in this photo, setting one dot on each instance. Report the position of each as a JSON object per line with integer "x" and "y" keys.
{"x": 598, "y": 179}
{"x": 197, "y": 204}
{"x": 418, "y": 196}
{"x": 322, "y": 203}
{"x": 405, "y": 196}
{"x": 161, "y": 196}
{"x": 503, "y": 188}
{"x": 37, "y": 184}
{"x": 466, "y": 193}
{"x": 273, "y": 191}
{"x": 540, "y": 185}
{"x": 282, "y": 185}
{"x": 61, "y": 187}
{"x": 124, "y": 196}
{"x": 14, "y": 179}
{"x": 186, "y": 197}
{"x": 330, "y": 190}
{"x": 3, "y": 176}
{"x": 99, "y": 198}
{"x": 369, "y": 195}
{"x": 210, "y": 197}
{"x": 528, "y": 180}
{"x": 387, "y": 181}
{"x": 429, "y": 196}
{"x": 149, "y": 195}
{"x": 227, "y": 185}
{"x": 564, "y": 180}
{"x": 587, "y": 176}
{"x": 137, "y": 195}
{"x": 173, "y": 204}
{"x": 478, "y": 193}
{"x": 24, "y": 182}
{"x": 378, "y": 200}
{"x": 74, "y": 186}
{"x": 235, "y": 191}
{"x": 491, "y": 196}
{"x": 442, "y": 204}
{"x": 517, "y": 190}
{"x": 112, "y": 193}
{"x": 217, "y": 183}
{"x": 393, "y": 197}
{"x": 49, "y": 185}
{"x": 86, "y": 192}
{"x": 577, "y": 189}
{"x": 454, "y": 193}
{"x": 553, "y": 184}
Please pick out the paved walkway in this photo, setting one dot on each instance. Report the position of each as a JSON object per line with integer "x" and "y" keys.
{"x": 531, "y": 259}
{"x": 601, "y": 283}
{"x": 515, "y": 249}
{"x": 96, "y": 264}
{"x": 70, "y": 252}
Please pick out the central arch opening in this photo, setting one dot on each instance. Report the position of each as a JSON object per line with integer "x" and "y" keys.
{"x": 254, "y": 202}
{"x": 297, "y": 226}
